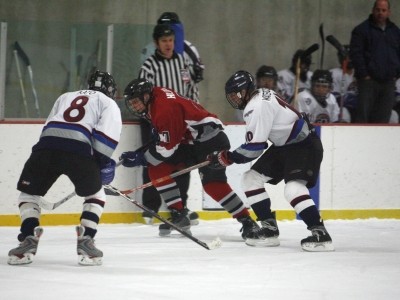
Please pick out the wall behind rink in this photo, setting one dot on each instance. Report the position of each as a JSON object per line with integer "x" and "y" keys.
{"x": 359, "y": 176}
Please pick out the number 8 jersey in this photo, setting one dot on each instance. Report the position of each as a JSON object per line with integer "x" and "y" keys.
{"x": 85, "y": 122}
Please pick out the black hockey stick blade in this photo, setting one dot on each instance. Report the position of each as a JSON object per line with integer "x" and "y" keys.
{"x": 22, "y": 54}
{"x": 338, "y": 46}
{"x": 214, "y": 244}
{"x": 310, "y": 50}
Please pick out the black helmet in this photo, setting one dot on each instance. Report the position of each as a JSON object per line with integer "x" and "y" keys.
{"x": 168, "y": 18}
{"x": 321, "y": 77}
{"x": 102, "y": 82}
{"x": 241, "y": 80}
{"x": 267, "y": 71}
{"x": 162, "y": 30}
{"x": 137, "y": 88}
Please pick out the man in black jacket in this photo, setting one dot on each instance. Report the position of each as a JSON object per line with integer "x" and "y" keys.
{"x": 375, "y": 53}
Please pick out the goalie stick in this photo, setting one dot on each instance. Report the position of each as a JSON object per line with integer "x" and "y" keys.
{"x": 343, "y": 52}
{"x": 214, "y": 244}
{"x": 310, "y": 50}
{"x": 27, "y": 62}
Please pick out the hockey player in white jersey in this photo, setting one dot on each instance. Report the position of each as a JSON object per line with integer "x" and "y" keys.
{"x": 77, "y": 140}
{"x": 294, "y": 156}
{"x": 319, "y": 103}
{"x": 287, "y": 77}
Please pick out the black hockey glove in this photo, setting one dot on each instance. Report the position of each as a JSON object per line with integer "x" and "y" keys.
{"x": 108, "y": 172}
{"x": 219, "y": 159}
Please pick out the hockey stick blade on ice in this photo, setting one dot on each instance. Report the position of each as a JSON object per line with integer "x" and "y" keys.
{"x": 214, "y": 244}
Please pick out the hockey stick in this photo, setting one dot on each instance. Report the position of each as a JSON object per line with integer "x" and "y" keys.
{"x": 25, "y": 59}
{"x": 342, "y": 51}
{"x": 21, "y": 83}
{"x": 322, "y": 36}
{"x": 53, "y": 205}
{"x": 310, "y": 50}
{"x": 165, "y": 178}
{"x": 214, "y": 244}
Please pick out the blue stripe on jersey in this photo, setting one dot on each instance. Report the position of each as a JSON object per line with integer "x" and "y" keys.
{"x": 297, "y": 127}
{"x": 67, "y": 126}
{"x": 103, "y": 144}
{"x": 247, "y": 152}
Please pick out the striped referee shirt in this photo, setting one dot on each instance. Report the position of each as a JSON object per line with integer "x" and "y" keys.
{"x": 173, "y": 73}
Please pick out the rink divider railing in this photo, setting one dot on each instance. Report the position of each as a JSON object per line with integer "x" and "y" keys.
{"x": 359, "y": 176}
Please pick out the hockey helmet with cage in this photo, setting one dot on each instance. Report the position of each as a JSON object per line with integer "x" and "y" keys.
{"x": 238, "y": 89}
{"x": 103, "y": 82}
{"x": 321, "y": 78}
{"x": 138, "y": 89}
{"x": 168, "y": 18}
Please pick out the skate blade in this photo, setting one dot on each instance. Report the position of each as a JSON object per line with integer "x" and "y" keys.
{"x": 27, "y": 258}
{"x": 267, "y": 242}
{"x": 85, "y": 260}
{"x": 194, "y": 222}
{"x": 318, "y": 247}
{"x": 148, "y": 221}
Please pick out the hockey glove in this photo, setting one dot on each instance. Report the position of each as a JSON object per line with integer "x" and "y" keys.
{"x": 132, "y": 159}
{"x": 108, "y": 172}
{"x": 219, "y": 159}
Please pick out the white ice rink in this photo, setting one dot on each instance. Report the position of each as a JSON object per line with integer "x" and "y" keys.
{"x": 138, "y": 265}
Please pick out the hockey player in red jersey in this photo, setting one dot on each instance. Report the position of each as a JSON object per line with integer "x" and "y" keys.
{"x": 77, "y": 140}
{"x": 186, "y": 134}
{"x": 295, "y": 156}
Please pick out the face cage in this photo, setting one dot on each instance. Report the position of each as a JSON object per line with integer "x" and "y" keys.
{"x": 128, "y": 105}
{"x": 236, "y": 100}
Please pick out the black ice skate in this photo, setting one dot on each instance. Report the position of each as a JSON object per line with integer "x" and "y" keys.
{"x": 268, "y": 234}
{"x": 249, "y": 229}
{"x": 26, "y": 250}
{"x": 88, "y": 254}
{"x": 178, "y": 218}
{"x": 319, "y": 241}
{"x": 193, "y": 217}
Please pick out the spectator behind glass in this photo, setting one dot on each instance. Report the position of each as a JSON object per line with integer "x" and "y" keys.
{"x": 375, "y": 53}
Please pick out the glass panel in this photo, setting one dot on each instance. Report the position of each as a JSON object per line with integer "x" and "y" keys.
{"x": 62, "y": 55}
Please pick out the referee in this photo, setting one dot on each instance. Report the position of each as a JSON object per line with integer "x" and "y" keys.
{"x": 166, "y": 68}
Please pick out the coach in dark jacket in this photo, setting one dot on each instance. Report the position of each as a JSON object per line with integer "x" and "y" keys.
{"x": 375, "y": 53}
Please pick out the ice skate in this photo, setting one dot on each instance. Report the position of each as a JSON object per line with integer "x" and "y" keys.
{"x": 178, "y": 218}
{"x": 193, "y": 217}
{"x": 88, "y": 254}
{"x": 268, "y": 234}
{"x": 26, "y": 250}
{"x": 319, "y": 241}
{"x": 249, "y": 230}
{"x": 148, "y": 218}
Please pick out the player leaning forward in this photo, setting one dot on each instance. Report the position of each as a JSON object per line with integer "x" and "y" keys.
{"x": 295, "y": 156}
{"x": 186, "y": 134}
{"x": 78, "y": 139}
